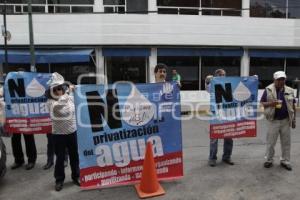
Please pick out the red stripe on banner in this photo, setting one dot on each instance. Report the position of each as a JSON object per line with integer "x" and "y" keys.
{"x": 169, "y": 166}
{"x": 240, "y": 129}
{"x": 36, "y": 125}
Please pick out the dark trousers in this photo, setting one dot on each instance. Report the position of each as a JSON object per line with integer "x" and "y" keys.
{"x": 61, "y": 143}
{"x": 17, "y": 148}
{"x": 227, "y": 149}
{"x": 50, "y": 149}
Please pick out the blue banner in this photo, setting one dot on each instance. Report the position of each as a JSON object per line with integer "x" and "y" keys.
{"x": 115, "y": 122}
{"x": 233, "y": 107}
{"x": 26, "y": 108}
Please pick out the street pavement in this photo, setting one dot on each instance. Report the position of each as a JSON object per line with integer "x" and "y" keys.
{"x": 246, "y": 180}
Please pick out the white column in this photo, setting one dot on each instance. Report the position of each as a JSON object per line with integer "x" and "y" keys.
{"x": 246, "y": 8}
{"x": 152, "y": 6}
{"x": 152, "y": 64}
{"x": 98, "y": 6}
{"x": 245, "y": 63}
{"x": 200, "y": 71}
{"x": 100, "y": 72}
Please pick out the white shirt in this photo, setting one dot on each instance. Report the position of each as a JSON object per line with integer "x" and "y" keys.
{"x": 62, "y": 113}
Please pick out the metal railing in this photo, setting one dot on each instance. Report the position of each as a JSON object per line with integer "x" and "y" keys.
{"x": 199, "y": 10}
{"x": 49, "y": 8}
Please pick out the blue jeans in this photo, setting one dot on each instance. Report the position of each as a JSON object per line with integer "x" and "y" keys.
{"x": 227, "y": 149}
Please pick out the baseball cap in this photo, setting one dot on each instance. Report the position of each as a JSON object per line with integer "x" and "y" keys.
{"x": 279, "y": 74}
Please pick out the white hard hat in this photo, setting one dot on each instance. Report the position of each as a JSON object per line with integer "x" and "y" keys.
{"x": 55, "y": 80}
{"x": 279, "y": 74}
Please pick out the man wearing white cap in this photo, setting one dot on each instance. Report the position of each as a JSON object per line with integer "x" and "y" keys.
{"x": 279, "y": 108}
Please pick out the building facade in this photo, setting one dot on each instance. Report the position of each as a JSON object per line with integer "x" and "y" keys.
{"x": 125, "y": 39}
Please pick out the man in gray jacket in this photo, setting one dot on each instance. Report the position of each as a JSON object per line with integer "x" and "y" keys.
{"x": 279, "y": 107}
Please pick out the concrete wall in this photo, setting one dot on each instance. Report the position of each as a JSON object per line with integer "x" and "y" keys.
{"x": 132, "y": 29}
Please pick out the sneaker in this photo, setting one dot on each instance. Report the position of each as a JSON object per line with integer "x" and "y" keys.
{"x": 66, "y": 163}
{"x": 76, "y": 181}
{"x": 286, "y": 166}
{"x": 16, "y": 165}
{"x": 29, "y": 166}
{"x": 228, "y": 161}
{"x": 268, "y": 164}
{"x": 58, "y": 186}
{"x": 48, "y": 165}
{"x": 212, "y": 163}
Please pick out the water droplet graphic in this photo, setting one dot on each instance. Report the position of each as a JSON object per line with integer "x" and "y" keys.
{"x": 241, "y": 93}
{"x": 35, "y": 89}
{"x": 138, "y": 110}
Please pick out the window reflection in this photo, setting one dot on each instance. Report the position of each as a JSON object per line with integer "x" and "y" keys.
{"x": 210, "y": 64}
{"x": 126, "y": 69}
{"x": 275, "y": 8}
{"x": 186, "y": 67}
{"x": 265, "y": 68}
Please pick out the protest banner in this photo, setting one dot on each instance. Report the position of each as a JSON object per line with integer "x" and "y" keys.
{"x": 233, "y": 107}
{"x": 25, "y": 103}
{"x": 114, "y": 123}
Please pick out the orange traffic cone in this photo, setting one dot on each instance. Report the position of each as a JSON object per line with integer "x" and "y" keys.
{"x": 149, "y": 185}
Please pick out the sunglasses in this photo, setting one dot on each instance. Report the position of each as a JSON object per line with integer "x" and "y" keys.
{"x": 162, "y": 71}
{"x": 57, "y": 89}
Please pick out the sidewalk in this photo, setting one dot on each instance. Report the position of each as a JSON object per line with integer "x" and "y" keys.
{"x": 245, "y": 180}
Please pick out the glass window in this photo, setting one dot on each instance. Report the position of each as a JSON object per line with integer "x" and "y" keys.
{"x": 235, "y": 5}
{"x": 71, "y": 71}
{"x": 292, "y": 71}
{"x": 137, "y": 6}
{"x": 257, "y": 8}
{"x": 210, "y": 64}
{"x": 78, "y": 9}
{"x": 9, "y": 9}
{"x": 62, "y": 9}
{"x": 15, "y": 67}
{"x": 268, "y": 8}
{"x": 109, "y": 9}
{"x": 50, "y": 9}
{"x": 35, "y": 9}
{"x": 18, "y": 9}
{"x": 186, "y": 67}
{"x": 43, "y": 68}
{"x": 70, "y": 2}
{"x": 167, "y": 11}
{"x": 265, "y": 68}
{"x": 120, "y": 9}
{"x": 126, "y": 69}
{"x": 184, "y": 11}
{"x": 37, "y": 1}
{"x": 114, "y": 6}
{"x": 24, "y": 1}
{"x": 113, "y": 2}
{"x": 294, "y": 9}
{"x": 178, "y": 3}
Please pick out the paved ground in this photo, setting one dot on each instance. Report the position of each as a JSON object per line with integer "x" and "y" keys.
{"x": 245, "y": 180}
